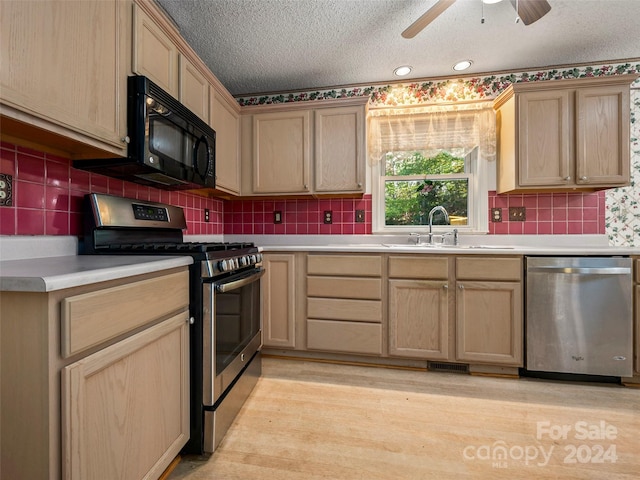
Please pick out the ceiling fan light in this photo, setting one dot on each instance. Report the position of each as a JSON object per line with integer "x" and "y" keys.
{"x": 463, "y": 65}
{"x": 402, "y": 71}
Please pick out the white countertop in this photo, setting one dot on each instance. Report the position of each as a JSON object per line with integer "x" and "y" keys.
{"x": 48, "y": 274}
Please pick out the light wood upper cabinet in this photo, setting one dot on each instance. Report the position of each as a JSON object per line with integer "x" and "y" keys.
{"x": 339, "y": 150}
{"x": 279, "y": 290}
{"x": 564, "y": 135}
{"x": 63, "y": 75}
{"x": 292, "y": 149}
{"x": 155, "y": 55}
{"x": 225, "y": 120}
{"x": 194, "y": 89}
{"x": 281, "y": 152}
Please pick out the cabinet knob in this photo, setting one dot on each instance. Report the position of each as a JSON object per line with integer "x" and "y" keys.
{"x": 445, "y": 286}
{"x": 461, "y": 287}
{"x": 125, "y": 139}
{"x": 584, "y": 179}
{"x": 306, "y": 187}
{"x": 359, "y": 185}
{"x": 566, "y": 179}
{"x": 191, "y": 321}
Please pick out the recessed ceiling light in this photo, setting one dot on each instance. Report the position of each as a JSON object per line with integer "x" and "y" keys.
{"x": 463, "y": 65}
{"x": 489, "y": 2}
{"x": 402, "y": 71}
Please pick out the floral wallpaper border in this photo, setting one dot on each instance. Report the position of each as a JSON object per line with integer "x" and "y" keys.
{"x": 622, "y": 217}
{"x": 449, "y": 90}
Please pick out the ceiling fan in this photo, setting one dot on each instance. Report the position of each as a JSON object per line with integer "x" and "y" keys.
{"x": 528, "y": 11}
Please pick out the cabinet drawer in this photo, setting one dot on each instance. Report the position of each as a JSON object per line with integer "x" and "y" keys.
{"x": 346, "y": 337}
{"x": 340, "y": 309}
{"x": 92, "y": 318}
{"x": 344, "y": 287}
{"x": 495, "y": 268}
{"x": 345, "y": 265}
{"x": 423, "y": 267}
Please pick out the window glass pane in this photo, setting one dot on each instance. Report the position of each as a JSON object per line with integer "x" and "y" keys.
{"x": 421, "y": 163}
{"x": 408, "y": 202}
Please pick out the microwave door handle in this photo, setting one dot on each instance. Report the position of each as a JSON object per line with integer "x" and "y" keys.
{"x": 196, "y": 147}
{"x": 235, "y": 284}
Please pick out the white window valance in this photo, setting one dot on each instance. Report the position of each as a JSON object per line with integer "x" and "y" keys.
{"x": 432, "y": 128}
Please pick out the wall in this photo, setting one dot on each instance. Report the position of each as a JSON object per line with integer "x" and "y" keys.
{"x": 48, "y": 193}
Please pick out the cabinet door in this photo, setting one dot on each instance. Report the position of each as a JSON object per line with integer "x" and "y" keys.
{"x": 637, "y": 348}
{"x": 226, "y": 122}
{"x": 339, "y": 149}
{"x": 602, "y": 135}
{"x": 154, "y": 54}
{"x": 278, "y": 301}
{"x": 418, "y": 319}
{"x": 489, "y": 322}
{"x": 58, "y": 66}
{"x": 545, "y": 136}
{"x": 194, "y": 89}
{"x": 281, "y": 152}
{"x": 126, "y": 408}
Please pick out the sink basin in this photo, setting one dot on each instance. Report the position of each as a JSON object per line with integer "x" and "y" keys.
{"x": 440, "y": 246}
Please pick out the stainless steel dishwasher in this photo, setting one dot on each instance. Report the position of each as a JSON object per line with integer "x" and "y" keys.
{"x": 579, "y": 315}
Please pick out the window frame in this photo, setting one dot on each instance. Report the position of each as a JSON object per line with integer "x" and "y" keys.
{"x": 478, "y": 217}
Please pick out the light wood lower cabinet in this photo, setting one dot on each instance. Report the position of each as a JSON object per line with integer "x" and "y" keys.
{"x": 478, "y": 321}
{"x": 279, "y": 291}
{"x": 105, "y": 395}
{"x": 489, "y": 316}
{"x": 125, "y": 409}
{"x": 419, "y": 318}
{"x": 637, "y": 310}
{"x": 344, "y": 303}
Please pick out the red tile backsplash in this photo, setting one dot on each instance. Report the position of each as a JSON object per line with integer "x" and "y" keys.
{"x": 550, "y": 213}
{"x": 48, "y": 194}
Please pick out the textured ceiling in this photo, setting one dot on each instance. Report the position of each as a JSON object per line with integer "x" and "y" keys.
{"x": 260, "y": 46}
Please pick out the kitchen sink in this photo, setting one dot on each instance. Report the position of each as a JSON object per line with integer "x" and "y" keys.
{"x": 441, "y": 246}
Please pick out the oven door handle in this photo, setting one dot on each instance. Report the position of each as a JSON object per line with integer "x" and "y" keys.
{"x": 223, "y": 287}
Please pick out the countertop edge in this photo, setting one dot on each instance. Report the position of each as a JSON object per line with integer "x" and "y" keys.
{"x": 80, "y": 271}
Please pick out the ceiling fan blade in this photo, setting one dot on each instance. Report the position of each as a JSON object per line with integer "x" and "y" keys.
{"x": 428, "y": 17}
{"x": 530, "y": 11}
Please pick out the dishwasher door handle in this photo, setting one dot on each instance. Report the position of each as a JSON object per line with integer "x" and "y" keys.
{"x": 582, "y": 270}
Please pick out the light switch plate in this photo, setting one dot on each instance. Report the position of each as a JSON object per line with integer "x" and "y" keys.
{"x": 359, "y": 216}
{"x": 277, "y": 216}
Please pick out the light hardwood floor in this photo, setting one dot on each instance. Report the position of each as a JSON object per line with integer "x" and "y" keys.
{"x": 308, "y": 421}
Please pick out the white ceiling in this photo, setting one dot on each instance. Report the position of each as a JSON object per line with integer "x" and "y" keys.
{"x": 260, "y": 46}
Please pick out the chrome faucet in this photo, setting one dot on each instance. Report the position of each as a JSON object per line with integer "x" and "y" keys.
{"x": 438, "y": 208}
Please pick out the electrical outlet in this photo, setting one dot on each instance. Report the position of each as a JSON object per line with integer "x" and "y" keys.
{"x": 277, "y": 216}
{"x": 496, "y": 215}
{"x": 206, "y": 215}
{"x": 6, "y": 190}
{"x": 328, "y": 216}
{"x": 517, "y": 214}
{"x": 359, "y": 216}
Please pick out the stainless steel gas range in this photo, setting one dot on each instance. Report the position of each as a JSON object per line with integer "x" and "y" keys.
{"x": 225, "y": 334}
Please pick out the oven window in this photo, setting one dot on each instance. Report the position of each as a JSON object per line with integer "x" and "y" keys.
{"x": 237, "y": 321}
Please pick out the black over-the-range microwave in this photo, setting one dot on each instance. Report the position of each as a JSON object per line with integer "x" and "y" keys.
{"x": 170, "y": 147}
